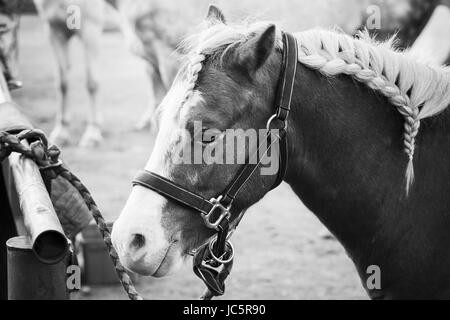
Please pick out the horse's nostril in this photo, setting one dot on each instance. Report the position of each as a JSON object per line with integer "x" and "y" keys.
{"x": 137, "y": 241}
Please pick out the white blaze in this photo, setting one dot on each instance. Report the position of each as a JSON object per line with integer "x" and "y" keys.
{"x": 143, "y": 211}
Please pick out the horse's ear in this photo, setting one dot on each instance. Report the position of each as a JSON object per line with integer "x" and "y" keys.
{"x": 254, "y": 53}
{"x": 215, "y": 15}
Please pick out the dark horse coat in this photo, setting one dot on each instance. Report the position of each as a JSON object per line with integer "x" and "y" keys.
{"x": 352, "y": 177}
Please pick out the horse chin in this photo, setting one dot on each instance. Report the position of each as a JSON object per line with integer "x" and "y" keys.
{"x": 168, "y": 264}
{"x": 171, "y": 262}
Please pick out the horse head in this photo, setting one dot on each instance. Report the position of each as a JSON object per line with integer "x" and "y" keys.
{"x": 226, "y": 85}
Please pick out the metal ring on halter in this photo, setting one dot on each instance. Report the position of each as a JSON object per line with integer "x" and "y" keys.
{"x": 269, "y": 124}
{"x": 193, "y": 252}
{"x": 219, "y": 260}
{"x": 272, "y": 119}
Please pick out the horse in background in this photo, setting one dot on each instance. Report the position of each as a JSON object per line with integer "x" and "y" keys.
{"x": 434, "y": 40}
{"x": 92, "y": 17}
{"x": 423, "y": 27}
{"x": 145, "y": 28}
{"x": 156, "y": 28}
{"x": 9, "y": 51}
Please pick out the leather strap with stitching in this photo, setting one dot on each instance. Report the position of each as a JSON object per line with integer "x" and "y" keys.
{"x": 288, "y": 72}
{"x": 173, "y": 191}
{"x": 284, "y": 96}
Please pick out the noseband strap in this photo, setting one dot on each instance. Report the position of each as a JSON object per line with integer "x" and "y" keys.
{"x": 168, "y": 189}
{"x": 213, "y": 262}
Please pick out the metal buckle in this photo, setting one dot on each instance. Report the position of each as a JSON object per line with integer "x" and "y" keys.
{"x": 217, "y": 205}
{"x": 227, "y": 257}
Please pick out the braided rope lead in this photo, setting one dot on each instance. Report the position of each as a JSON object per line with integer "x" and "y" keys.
{"x": 124, "y": 278}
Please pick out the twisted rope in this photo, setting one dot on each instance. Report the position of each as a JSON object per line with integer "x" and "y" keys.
{"x": 12, "y": 143}
{"x": 124, "y": 278}
{"x": 194, "y": 68}
{"x": 47, "y": 160}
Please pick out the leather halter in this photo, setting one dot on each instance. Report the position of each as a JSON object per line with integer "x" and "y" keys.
{"x": 216, "y": 211}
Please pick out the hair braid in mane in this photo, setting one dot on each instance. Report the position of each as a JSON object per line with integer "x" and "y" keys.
{"x": 194, "y": 68}
{"x": 350, "y": 59}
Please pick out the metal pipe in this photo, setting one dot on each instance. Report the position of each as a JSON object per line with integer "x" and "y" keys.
{"x": 4, "y": 91}
{"x": 29, "y": 278}
{"x": 37, "y": 262}
{"x": 41, "y": 221}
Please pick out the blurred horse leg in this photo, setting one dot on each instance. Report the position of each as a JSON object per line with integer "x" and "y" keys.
{"x": 163, "y": 67}
{"x": 60, "y": 42}
{"x": 156, "y": 93}
{"x": 145, "y": 122}
{"x": 433, "y": 44}
{"x": 91, "y": 37}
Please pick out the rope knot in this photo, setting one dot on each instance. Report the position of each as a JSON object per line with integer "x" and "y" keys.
{"x": 46, "y": 158}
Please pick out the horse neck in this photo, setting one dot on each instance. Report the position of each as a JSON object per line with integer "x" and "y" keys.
{"x": 347, "y": 165}
{"x": 337, "y": 129}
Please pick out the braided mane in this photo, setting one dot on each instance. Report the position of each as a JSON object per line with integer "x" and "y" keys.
{"x": 417, "y": 90}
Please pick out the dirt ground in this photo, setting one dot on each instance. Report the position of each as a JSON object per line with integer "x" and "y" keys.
{"x": 279, "y": 252}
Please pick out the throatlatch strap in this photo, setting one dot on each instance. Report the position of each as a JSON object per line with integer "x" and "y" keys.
{"x": 247, "y": 170}
{"x": 288, "y": 72}
{"x": 284, "y": 98}
{"x": 283, "y": 102}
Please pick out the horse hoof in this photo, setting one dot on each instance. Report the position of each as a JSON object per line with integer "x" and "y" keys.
{"x": 60, "y": 136}
{"x": 91, "y": 138}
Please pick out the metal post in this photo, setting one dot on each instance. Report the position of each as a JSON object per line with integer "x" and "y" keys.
{"x": 36, "y": 263}
{"x": 41, "y": 222}
{"x": 7, "y": 230}
{"x": 31, "y": 279}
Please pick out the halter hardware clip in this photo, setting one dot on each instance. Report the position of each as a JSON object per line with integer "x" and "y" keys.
{"x": 224, "y": 213}
{"x": 226, "y": 257}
